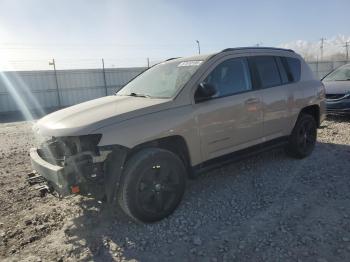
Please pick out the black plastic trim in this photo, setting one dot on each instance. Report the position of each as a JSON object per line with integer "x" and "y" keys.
{"x": 259, "y": 48}
{"x": 239, "y": 155}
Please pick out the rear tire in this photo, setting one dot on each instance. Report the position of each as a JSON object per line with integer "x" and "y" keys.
{"x": 152, "y": 185}
{"x": 303, "y": 138}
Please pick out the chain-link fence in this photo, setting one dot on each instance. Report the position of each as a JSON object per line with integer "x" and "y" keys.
{"x": 322, "y": 68}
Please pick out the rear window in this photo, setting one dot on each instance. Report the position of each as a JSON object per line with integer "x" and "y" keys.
{"x": 292, "y": 67}
{"x": 267, "y": 71}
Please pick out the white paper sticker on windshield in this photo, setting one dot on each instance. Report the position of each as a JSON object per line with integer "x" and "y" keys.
{"x": 190, "y": 63}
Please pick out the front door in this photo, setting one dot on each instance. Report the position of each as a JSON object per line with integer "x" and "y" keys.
{"x": 231, "y": 119}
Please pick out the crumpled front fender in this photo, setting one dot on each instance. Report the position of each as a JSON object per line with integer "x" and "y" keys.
{"x": 114, "y": 166}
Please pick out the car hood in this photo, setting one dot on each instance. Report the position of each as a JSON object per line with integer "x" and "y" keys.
{"x": 337, "y": 87}
{"x": 84, "y": 118}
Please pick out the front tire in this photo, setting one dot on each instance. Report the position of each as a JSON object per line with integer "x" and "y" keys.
{"x": 152, "y": 185}
{"x": 303, "y": 138}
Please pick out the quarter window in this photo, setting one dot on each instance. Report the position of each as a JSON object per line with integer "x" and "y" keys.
{"x": 230, "y": 77}
{"x": 293, "y": 68}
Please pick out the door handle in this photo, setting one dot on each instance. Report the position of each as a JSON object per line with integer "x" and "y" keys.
{"x": 251, "y": 101}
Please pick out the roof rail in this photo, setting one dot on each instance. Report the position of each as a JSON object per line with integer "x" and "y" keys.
{"x": 172, "y": 58}
{"x": 256, "y": 47}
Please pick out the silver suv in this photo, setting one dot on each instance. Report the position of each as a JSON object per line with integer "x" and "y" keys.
{"x": 178, "y": 118}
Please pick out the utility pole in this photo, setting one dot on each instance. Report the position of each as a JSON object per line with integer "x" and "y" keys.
{"x": 199, "y": 47}
{"x": 104, "y": 76}
{"x": 147, "y": 62}
{"x": 53, "y": 63}
{"x": 321, "y": 47}
{"x": 347, "y": 49}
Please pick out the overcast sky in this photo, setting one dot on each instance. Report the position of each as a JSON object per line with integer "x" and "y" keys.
{"x": 127, "y": 32}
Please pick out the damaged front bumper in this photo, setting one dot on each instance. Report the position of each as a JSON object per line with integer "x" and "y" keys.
{"x": 68, "y": 164}
{"x": 56, "y": 176}
{"x": 75, "y": 173}
{"x": 76, "y": 166}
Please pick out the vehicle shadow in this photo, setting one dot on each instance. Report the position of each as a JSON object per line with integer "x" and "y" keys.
{"x": 246, "y": 211}
{"x": 338, "y": 118}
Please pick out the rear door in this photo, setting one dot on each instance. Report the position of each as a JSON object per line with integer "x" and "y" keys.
{"x": 275, "y": 94}
{"x": 232, "y": 119}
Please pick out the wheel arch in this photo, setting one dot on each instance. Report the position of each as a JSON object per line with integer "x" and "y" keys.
{"x": 175, "y": 144}
{"x": 314, "y": 111}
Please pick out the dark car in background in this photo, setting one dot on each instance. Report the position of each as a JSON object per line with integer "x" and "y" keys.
{"x": 337, "y": 84}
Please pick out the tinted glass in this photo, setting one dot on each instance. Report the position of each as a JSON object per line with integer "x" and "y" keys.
{"x": 230, "y": 77}
{"x": 292, "y": 67}
{"x": 282, "y": 70}
{"x": 267, "y": 71}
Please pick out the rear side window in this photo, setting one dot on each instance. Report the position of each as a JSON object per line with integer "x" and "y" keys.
{"x": 267, "y": 71}
{"x": 292, "y": 67}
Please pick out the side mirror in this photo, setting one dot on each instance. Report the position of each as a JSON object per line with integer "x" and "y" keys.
{"x": 204, "y": 91}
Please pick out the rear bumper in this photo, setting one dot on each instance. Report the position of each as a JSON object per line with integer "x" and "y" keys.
{"x": 56, "y": 176}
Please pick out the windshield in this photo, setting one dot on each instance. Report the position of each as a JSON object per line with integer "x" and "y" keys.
{"x": 340, "y": 74}
{"x": 162, "y": 80}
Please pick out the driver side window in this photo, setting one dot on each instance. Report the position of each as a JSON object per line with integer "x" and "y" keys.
{"x": 230, "y": 77}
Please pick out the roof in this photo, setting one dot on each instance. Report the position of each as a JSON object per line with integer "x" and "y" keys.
{"x": 207, "y": 56}
{"x": 256, "y": 48}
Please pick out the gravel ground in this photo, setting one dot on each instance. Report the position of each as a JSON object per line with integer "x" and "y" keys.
{"x": 265, "y": 208}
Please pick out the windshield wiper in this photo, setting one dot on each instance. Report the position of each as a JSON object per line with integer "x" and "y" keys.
{"x": 138, "y": 95}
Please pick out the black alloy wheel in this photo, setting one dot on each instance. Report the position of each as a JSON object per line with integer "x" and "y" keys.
{"x": 153, "y": 185}
{"x": 303, "y": 138}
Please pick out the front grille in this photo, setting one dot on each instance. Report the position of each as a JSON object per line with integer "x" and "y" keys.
{"x": 335, "y": 96}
